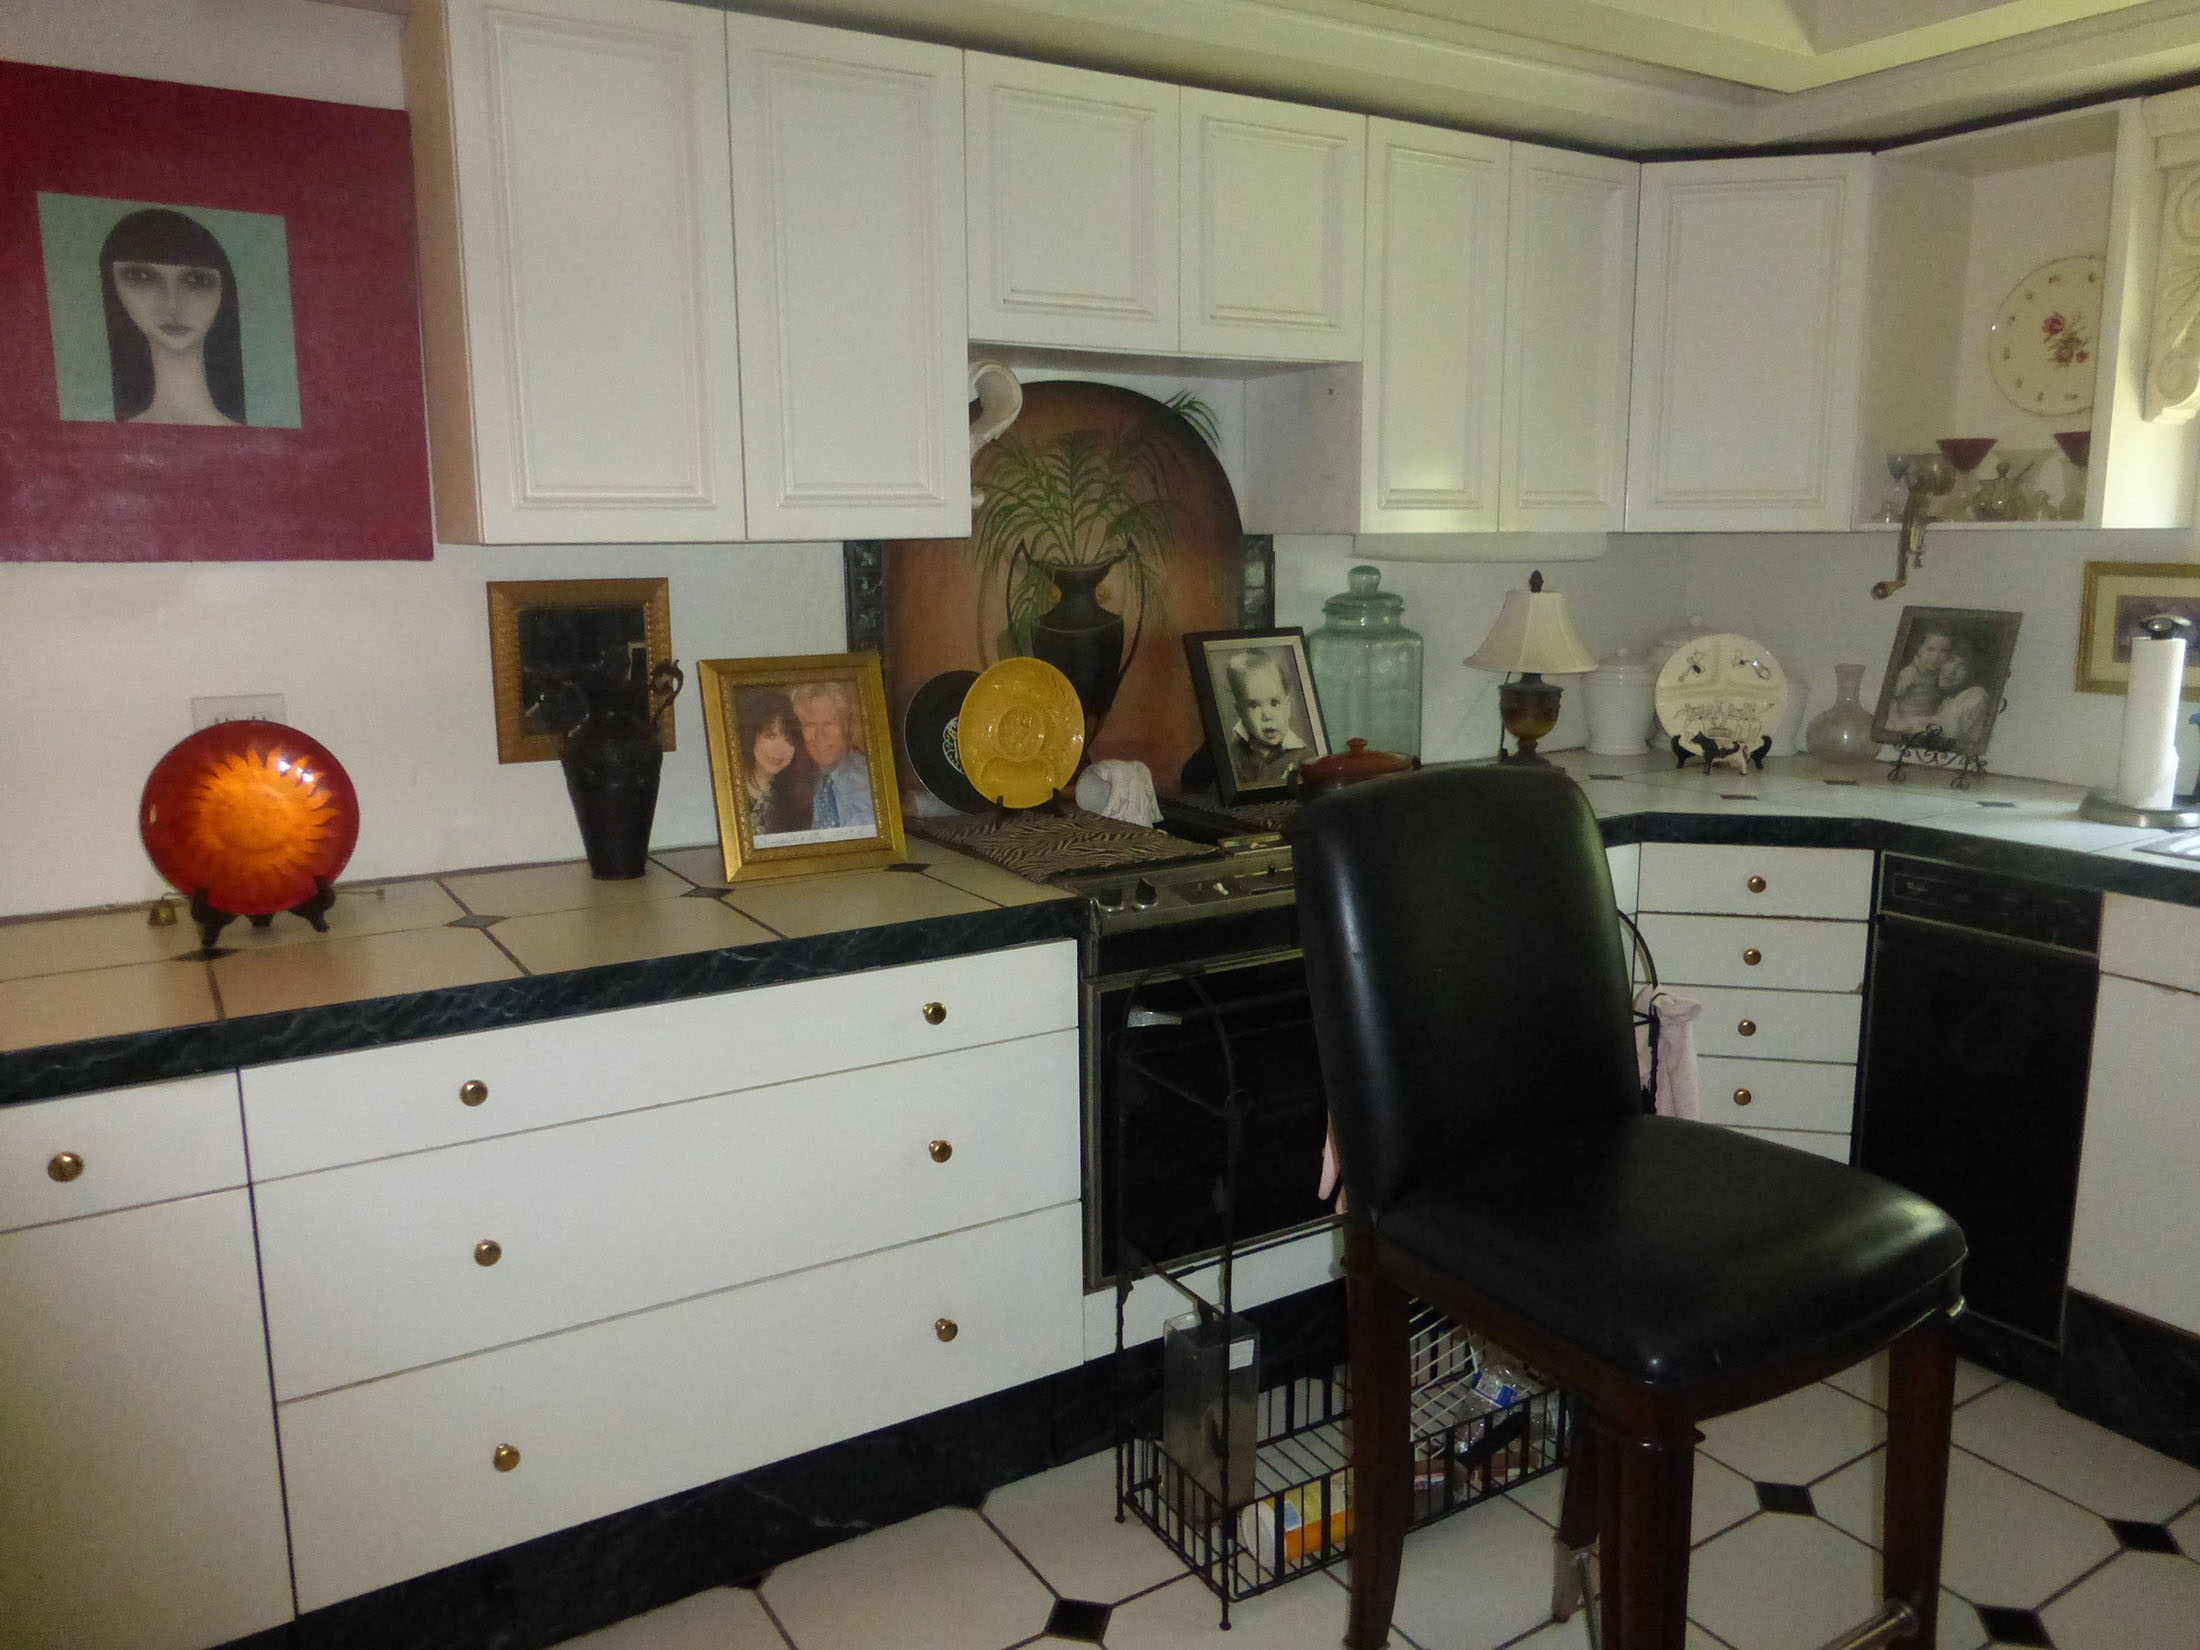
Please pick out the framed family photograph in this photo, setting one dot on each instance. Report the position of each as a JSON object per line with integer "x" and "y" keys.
{"x": 1945, "y": 678}
{"x": 2119, "y": 595}
{"x": 549, "y": 636}
{"x": 1257, "y": 707}
{"x": 801, "y": 764}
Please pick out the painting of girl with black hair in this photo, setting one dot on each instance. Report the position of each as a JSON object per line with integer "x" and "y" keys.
{"x": 175, "y": 343}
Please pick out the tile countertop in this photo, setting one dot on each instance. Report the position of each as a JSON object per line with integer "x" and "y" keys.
{"x": 100, "y": 1000}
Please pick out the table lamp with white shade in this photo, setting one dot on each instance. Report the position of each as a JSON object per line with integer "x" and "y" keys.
{"x": 1534, "y": 637}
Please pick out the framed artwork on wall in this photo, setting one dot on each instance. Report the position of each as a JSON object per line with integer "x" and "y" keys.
{"x": 547, "y": 636}
{"x": 2120, "y": 594}
{"x": 209, "y": 330}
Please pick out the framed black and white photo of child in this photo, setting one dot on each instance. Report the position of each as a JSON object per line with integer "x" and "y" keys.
{"x": 1257, "y": 707}
{"x": 1945, "y": 678}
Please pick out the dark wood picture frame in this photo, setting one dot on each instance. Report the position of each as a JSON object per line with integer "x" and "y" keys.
{"x": 1920, "y": 701}
{"x": 543, "y": 630}
{"x": 1247, "y": 768}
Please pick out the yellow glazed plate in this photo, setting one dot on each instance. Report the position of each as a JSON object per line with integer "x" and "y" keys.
{"x": 1021, "y": 732}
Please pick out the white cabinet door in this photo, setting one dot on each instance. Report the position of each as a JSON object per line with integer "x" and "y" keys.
{"x": 1748, "y": 339}
{"x": 1434, "y": 339}
{"x": 1273, "y": 197}
{"x": 1570, "y": 315}
{"x": 1072, "y": 200}
{"x": 2137, "y": 1226}
{"x": 140, "y": 1506}
{"x": 577, "y": 257}
{"x": 848, "y": 231}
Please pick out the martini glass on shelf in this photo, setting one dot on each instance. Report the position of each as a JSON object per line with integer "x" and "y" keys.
{"x": 1965, "y": 453}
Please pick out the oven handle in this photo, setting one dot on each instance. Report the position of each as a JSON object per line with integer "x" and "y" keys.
{"x": 1139, "y": 1018}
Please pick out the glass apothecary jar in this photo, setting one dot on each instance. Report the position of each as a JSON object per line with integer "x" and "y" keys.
{"x": 1367, "y": 667}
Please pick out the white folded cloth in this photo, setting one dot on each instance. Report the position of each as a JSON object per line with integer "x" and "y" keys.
{"x": 1119, "y": 790}
{"x": 1678, "y": 1093}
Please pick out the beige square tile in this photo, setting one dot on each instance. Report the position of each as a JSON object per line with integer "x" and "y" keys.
{"x": 942, "y": 1581}
{"x": 1063, "y": 1522}
{"x": 848, "y": 900}
{"x": 705, "y": 866}
{"x": 349, "y": 970}
{"x": 1572, "y": 1635}
{"x": 558, "y": 940}
{"x": 1479, "y": 1578}
{"x": 566, "y": 886}
{"x": 1722, "y": 1498}
{"x": 2006, "y": 1541}
{"x": 2023, "y": 1430}
{"x": 103, "y": 1002}
{"x": 1307, "y": 1614}
{"x": 1784, "y": 1583}
{"x": 977, "y": 876}
{"x": 365, "y": 908}
{"x": 2143, "y": 1601}
{"x": 1795, "y": 1438}
{"x": 100, "y": 939}
{"x": 1868, "y": 1380}
{"x": 724, "y": 1618}
{"x": 2187, "y": 1532}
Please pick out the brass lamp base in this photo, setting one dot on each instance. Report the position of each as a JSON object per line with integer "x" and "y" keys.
{"x": 1529, "y": 709}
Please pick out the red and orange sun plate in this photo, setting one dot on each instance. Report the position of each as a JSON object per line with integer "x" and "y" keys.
{"x": 252, "y": 812}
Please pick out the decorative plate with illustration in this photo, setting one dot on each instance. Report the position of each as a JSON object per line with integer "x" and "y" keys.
{"x": 255, "y": 814}
{"x": 1021, "y": 732}
{"x": 2045, "y": 339}
{"x": 1723, "y": 687}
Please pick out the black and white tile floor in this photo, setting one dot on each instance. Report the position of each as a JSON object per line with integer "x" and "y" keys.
{"x": 2059, "y": 1534}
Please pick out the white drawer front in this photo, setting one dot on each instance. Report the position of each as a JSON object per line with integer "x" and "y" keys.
{"x": 373, "y": 1268}
{"x": 1786, "y": 1025}
{"x": 397, "y": 1477}
{"x": 2150, "y": 939}
{"x": 1765, "y": 953}
{"x": 1835, "y": 1146}
{"x": 1782, "y": 1094}
{"x": 345, "y": 1108}
{"x": 1716, "y": 877}
{"x": 123, "y": 1146}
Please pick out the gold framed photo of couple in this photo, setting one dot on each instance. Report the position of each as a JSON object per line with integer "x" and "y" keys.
{"x": 1257, "y": 707}
{"x": 801, "y": 764}
{"x": 2118, "y": 595}
{"x": 1945, "y": 678}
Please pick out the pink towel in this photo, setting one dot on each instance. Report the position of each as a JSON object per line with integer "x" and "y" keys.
{"x": 1677, "y": 1093}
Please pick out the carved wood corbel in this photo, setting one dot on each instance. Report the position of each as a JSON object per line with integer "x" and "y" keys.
{"x": 2173, "y": 351}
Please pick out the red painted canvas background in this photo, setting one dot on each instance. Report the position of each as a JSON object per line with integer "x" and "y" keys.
{"x": 352, "y": 482}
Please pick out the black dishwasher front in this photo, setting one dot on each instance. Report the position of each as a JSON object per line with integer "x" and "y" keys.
{"x": 1978, "y": 1036}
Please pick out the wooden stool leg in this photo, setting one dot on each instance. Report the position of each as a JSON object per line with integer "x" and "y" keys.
{"x": 1645, "y": 1542}
{"x": 1382, "y": 1458}
{"x": 1577, "y": 1519}
{"x": 1921, "y": 1384}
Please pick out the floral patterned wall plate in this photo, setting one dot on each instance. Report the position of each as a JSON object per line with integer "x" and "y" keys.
{"x": 1021, "y": 732}
{"x": 251, "y": 812}
{"x": 2045, "y": 339}
{"x": 1724, "y": 686}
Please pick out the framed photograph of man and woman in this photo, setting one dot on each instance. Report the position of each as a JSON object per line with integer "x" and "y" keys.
{"x": 802, "y": 764}
{"x": 1945, "y": 678}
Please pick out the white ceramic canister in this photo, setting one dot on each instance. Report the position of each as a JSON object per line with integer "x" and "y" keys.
{"x": 1620, "y": 696}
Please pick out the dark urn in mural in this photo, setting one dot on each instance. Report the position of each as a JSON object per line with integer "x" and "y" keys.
{"x": 612, "y": 760}
{"x": 1081, "y": 638}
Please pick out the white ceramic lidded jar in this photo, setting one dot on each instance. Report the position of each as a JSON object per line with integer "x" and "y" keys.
{"x": 1621, "y": 696}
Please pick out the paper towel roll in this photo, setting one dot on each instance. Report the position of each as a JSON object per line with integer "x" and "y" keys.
{"x": 2146, "y": 772}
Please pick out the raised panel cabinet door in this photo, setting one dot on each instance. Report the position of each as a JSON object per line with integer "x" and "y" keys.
{"x": 140, "y": 1503}
{"x": 1748, "y": 340}
{"x": 1274, "y": 197}
{"x": 577, "y": 253}
{"x": 1569, "y": 331}
{"x": 1431, "y": 371}
{"x": 1072, "y": 199}
{"x": 848, "y": 235}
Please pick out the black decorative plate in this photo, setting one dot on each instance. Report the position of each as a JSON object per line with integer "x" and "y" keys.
{"x": 928, "y": 735}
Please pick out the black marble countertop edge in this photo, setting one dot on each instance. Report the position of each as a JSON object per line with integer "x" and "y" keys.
{"x": 60, "y": 1069}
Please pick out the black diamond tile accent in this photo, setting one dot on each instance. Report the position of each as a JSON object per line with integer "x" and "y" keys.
{"x": 1079, "y": 1619}
{"x": 1786, "y": 1498}
{"x": 473, "y": 922}
{"x": 1996, "y": 804}
{"x": 205, "y": 953}
{"x": 1607, "y": 776}
{"x": 2139, "y": 1537}
{"x": 1849, "y": 782}
{"x": 909, "y": 867}
{"x": 2006, "y": 1626}
{"x": 702, "y": 893}
{"x": 1738, "y": 796}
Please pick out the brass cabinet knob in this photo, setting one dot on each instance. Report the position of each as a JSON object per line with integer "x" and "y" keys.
{"x": 946, "y": 1328}
{"x": 1748, "y": 1028}
{"x": 934, "y": 1013}
{"x": 1753, "y": 956}
{"x": 1742, "y": 1097}
{"x": 472, "y": 1092}
{"x": 506, "y": 1458}
{"x": 1756, "y": 885}
{"x": 488, "y": 1252}
{"x": 64, "y": 1167}
{"x": 941, "y": 1150}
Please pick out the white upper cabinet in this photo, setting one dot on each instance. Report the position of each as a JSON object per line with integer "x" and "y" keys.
{"x": 1570, "y": 312}
{"x": 577, "y": 262}
{"x": 1435, "y": 329}
{"x": 1273, "y": 199}
{"x": 848, "y": 224}
{"x": 1072, "y": 200}
{"x": 1748, "y": 336}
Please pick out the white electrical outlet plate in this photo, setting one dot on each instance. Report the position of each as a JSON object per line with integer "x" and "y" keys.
{"x": 241, "y": 707}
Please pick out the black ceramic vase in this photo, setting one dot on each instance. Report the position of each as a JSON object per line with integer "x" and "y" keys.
{"x": 1080, "y": 638}
{"x": 611, "y": 761}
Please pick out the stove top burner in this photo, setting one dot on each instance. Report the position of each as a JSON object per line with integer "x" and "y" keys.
{"x": 1250, "y": 880}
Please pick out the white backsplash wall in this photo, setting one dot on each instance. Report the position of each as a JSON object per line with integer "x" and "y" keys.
{"x": 1622, "y": 599}
{"x": 386, "y": 663}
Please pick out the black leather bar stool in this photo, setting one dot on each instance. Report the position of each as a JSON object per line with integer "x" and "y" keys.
{"x": 1470, "y": 992}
